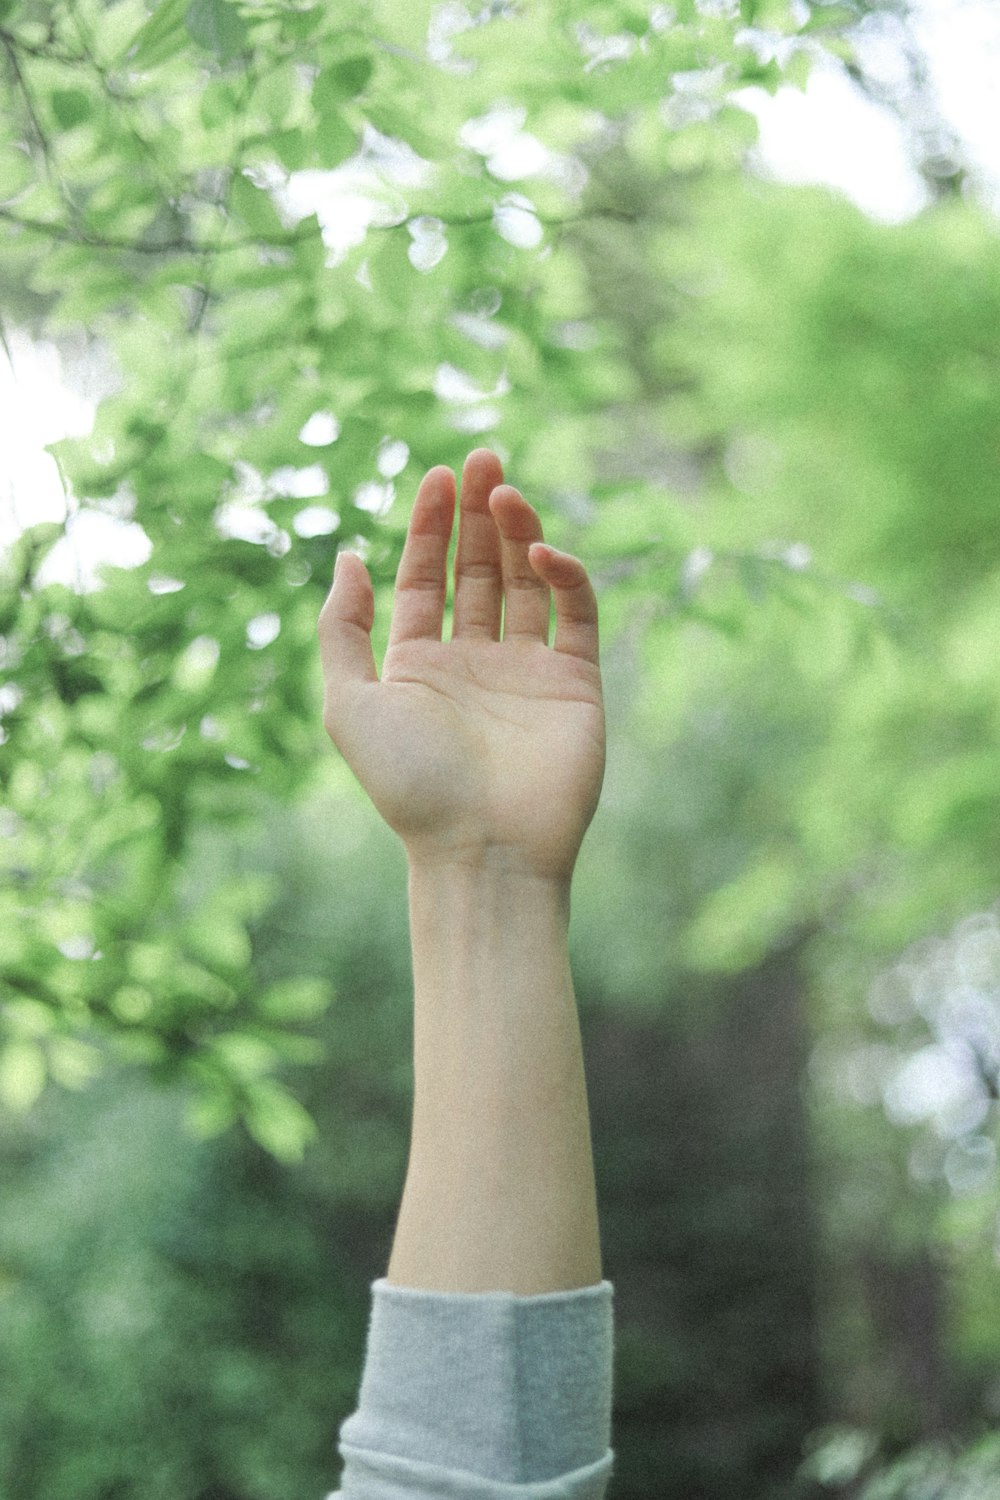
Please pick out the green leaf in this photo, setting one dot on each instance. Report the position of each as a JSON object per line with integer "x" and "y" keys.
{"x": 292, "y": 149}
{"x": 740, "y": 921}
{"x": 197, "y": 986}
{"x": 22, "y": 1074}
{"x": 131, "y": 1003}
{"x": 245, "y": 1056}
{"x": 798, "y": 68}
{"x": 277, "y": 1120}
{"x": 945, "y": 797}
{"x": 405, "y": 25}
{"x": 335, "y": 140}
{"x": 16, "y": 171}
{"x": 254, "y": 206}
{"x": 28, "y": 1017}
{"x": 825, "y": 18}
{"x": 390, "y": 117}
{"x": 195, "y": 666}
{"x": 71, "y": 107}
{"x": 123, "y": 602}
{"x": 210, "y": 1113}
{"x": 217, "y": 104}
{"x": 391, "y": 271}
{"x": 341, "y": 81}
{"x": 299, "y": 25}
{"x": 73, "y": 1063}
{"x": 161, "y": 38}
{"x": 838, "y": 1454}
{"x": 217, "y": 26}
{"x": 150, "y": 963}
{"x": 221, "y": 943}
{"x": 292, "y": 1000}
{"x": 768, "y": 76}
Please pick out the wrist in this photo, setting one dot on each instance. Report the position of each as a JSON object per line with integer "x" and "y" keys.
{"x": 491, "y": 876}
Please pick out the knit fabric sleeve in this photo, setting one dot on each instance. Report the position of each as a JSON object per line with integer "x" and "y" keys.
{"x": 484, "y": 1395}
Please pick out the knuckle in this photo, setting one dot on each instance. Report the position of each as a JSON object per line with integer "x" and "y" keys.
{"x": 420, "y": 582}
{"x": 476, "y": 570}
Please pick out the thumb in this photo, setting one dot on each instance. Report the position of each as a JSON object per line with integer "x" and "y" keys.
{"x": 345, "y": 625}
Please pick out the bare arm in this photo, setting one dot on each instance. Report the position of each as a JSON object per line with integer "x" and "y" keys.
{"x": 486, "y": 755}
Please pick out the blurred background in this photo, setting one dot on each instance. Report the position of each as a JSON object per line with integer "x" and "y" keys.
{"x": 720, "y": 283}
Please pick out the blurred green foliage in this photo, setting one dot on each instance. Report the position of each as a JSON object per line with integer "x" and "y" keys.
{"x": 269, "y": 394}
{"x": 770, "y": 427}
{"x": 187, "y": 1318}
{"x": 932, "y": 1471}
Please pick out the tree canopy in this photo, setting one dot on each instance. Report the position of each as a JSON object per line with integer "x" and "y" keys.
{"x": 269, "y": 399}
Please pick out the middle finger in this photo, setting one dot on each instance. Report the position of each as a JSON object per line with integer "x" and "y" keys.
{"x": 478, "y": 573}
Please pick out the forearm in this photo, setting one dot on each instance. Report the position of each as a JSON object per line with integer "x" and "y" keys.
{"x": 499, "y": 1192}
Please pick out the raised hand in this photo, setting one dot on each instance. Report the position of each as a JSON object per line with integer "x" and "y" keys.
{"x": 481, "y": 747}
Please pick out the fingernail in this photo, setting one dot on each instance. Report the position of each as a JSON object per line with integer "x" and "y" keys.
{"x": 336, "y": 565}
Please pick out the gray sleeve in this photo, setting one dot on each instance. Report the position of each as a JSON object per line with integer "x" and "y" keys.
{"x": 485, "y": 1395}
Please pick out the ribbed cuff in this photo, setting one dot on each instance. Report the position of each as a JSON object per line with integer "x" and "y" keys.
{"x": 510, "y": 1389}
{"x": 379, "y": 1476}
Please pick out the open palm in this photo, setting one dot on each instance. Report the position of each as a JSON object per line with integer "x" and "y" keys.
{"x": 477, "y": 746}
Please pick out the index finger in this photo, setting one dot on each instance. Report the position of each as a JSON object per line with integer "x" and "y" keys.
{"x": 421, "y": 579}
{"x": 575, "y": 601}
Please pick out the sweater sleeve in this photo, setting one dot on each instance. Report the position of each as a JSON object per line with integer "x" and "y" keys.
{"x": 483, "y": 1396}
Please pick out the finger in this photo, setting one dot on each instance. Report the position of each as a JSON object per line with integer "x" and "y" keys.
{"x": 345, "y": 626}
{"x": 526, "y": 593}
{"x": 422, "y": 579}
{"x": 575, "y": 601}
{"x": 478, "y": 573}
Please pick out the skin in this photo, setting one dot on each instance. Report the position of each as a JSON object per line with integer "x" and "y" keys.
{"x": 485, "y": 753}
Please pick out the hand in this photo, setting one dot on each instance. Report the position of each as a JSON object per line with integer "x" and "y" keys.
{"x": 475, "y": 748}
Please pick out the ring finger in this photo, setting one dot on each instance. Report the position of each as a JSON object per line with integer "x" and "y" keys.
{"x": 526, "y": 595}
